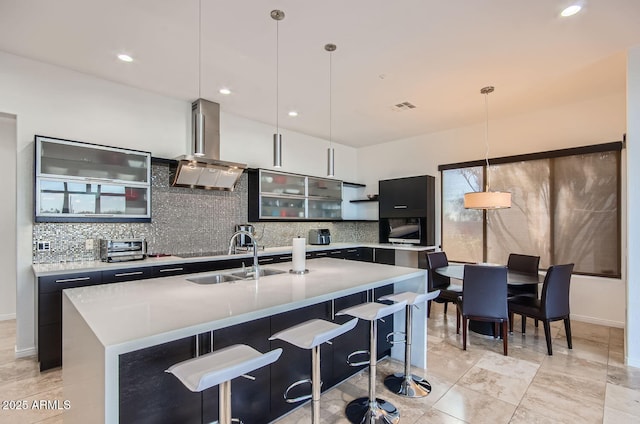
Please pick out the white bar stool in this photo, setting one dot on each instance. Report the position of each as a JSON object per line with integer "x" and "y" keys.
{"x": 219, "y": 368}
{"x": 372, "y": 410}
{"x": 310, "y": 335}
{"x": 406, "y": 384}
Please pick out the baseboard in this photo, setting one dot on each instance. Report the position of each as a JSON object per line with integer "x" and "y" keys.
{"x": 598, "y": 321}
{"x": 6, "y": 317}
{"x": 25, "y": 353}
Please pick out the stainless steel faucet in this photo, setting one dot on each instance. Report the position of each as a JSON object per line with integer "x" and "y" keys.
{"x": 256, "y": 268}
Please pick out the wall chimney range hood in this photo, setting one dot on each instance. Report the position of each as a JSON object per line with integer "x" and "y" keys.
{"x": 204, "y": 169}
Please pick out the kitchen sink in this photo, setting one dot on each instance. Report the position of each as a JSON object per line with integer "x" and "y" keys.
{"x": 213, "y": 279}
{"x": 264, "y": 272}
{"x": 247, "y": 274}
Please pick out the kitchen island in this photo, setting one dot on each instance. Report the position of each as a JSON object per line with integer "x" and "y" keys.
{"x": 105, "y": 323}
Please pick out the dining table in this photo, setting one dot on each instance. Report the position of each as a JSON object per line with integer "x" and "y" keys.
{"x": 515, "y": 280}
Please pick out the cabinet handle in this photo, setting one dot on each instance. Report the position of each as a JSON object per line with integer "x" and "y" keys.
{"x": 336, "y": 252}
{"x": 400, "y": 207}
{"x": 352, "y": 250}
{"x": 286, "y": 257}
{"x": 126, "y": 274}
{"x": 321, "y": 254}
{"x": 265, "y": 260}
{"x": 171, "y": 269}
{"x": 70, "y": 280}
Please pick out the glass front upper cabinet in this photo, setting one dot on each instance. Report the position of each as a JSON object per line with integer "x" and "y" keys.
{"x": 81, "y": 182}
{"x": 280, "y": 196}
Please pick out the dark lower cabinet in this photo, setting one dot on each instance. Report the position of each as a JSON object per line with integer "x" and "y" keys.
{"x": 295, "y": 363}
{"x": 250, "y": 400}
{"x": 363, "y": 254}
{"x": 355, "y": 340}
{"x": 384, "y": 256}
{"x": 385, "y": 325}
{"x": 150, "y": 395}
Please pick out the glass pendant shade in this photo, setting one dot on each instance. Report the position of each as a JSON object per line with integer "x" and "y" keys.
{"x": 487, "y": 200}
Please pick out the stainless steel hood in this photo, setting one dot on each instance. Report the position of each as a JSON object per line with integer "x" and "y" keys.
{"x": 204, "y": 169}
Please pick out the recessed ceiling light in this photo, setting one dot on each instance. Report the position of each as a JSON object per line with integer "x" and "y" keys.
{"x": 571, "y": 10}
{"x": 225, "y": 91}
{"x": 125, "y": 57}
{"x": 293, "y": 113}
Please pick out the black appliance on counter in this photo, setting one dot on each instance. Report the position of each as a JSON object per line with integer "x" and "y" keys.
{"x": 320, "y": 236}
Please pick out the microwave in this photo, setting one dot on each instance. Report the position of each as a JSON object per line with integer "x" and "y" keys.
{"x": 404, "y": 230}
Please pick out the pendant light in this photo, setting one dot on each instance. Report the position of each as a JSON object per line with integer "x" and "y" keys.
{"x": 198, "y": 117}
{"x": 330, "y": 152}
{"x": 277, "y": 15}
{"x": 487, "y": 199}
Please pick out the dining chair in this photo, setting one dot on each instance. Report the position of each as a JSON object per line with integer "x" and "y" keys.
{"x": 553, "y": 305}
{"x": 449, "y": 293}
{"x": 484, "y": 298}
{"x": 526, "y": 264}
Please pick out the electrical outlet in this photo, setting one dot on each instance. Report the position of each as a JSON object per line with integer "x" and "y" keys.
{"x": 88, "y": 244}
{"x": 44, "y": 246}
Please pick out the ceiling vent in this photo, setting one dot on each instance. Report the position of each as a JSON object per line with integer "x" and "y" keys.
{"x": 403, "y": 106}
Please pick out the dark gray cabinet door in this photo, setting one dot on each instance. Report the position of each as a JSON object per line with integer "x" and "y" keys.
{"x": 150, "y": 395}
{"x": 384, "y": 256}
{"x": 385, "y": 325}
{"x": 355, "y": 340}
{"x": 250, "y": 400}
{"x": 295, "y": 363}
{"x": 50, "y": 313}
{"x": 406, "y": 197}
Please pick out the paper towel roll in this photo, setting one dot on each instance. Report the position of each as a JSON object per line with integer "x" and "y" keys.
{"x": 299, "y": 254}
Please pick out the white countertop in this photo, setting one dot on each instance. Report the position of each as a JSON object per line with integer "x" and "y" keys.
{"x": 41, "y": 270}
{"x": 136, "y": 314}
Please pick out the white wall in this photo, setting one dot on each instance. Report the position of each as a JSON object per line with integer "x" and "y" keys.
{"x": 632, "y": 335}
{"x": 8, "y": 215}
{"x": 594, "y": 121}
{"x": 54, "y": 101}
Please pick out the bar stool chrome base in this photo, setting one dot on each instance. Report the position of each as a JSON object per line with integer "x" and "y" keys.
{"x": 361, "y": 411}
{"x": 409, "y": 386}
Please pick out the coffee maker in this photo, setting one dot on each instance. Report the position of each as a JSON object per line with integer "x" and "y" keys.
{"x": 243, "y": 241}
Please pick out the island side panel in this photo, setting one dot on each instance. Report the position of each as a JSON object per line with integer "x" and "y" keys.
{"x": 83, "y": 372}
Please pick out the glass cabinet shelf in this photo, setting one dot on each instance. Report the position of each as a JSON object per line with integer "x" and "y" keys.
{"x": 281, "y": 196}
{"x": 81, "y": 182}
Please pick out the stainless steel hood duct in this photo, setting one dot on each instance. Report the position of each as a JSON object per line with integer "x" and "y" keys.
{"x": 204, "y": 169}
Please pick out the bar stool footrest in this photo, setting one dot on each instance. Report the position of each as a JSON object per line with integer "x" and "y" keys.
{"x": 358, "y": 352}
{"x": 299, "y": 398}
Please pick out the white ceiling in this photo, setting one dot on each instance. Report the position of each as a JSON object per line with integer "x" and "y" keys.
{"x": 436, "y": 54}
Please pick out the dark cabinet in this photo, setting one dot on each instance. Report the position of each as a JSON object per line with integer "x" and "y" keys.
{"x": 295, "y": 363}
{"x": 355, "y": 340}
{"x": 129, "y": 274}
{"x": 384, "y": 256}
{"x": 407, "y": 201}
{"x": 50, "y": 313}
{"x": 150, "y": 395}
{"x": 385, "y": 325}
{"x": 363, "y": 254}
{"x": 406, "y": 197}
{"x": 250, "y": 402}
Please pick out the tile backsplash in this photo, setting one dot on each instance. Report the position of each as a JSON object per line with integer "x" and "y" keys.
{"x": 185, "y": 221}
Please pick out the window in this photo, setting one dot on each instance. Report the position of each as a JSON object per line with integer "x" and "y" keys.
{"x": 565, "y": 208}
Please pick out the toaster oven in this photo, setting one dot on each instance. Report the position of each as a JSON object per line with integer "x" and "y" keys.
{"x": 122, "y": 250}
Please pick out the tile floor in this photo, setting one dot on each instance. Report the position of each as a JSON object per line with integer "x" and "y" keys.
{"x": 589, "y": 384}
